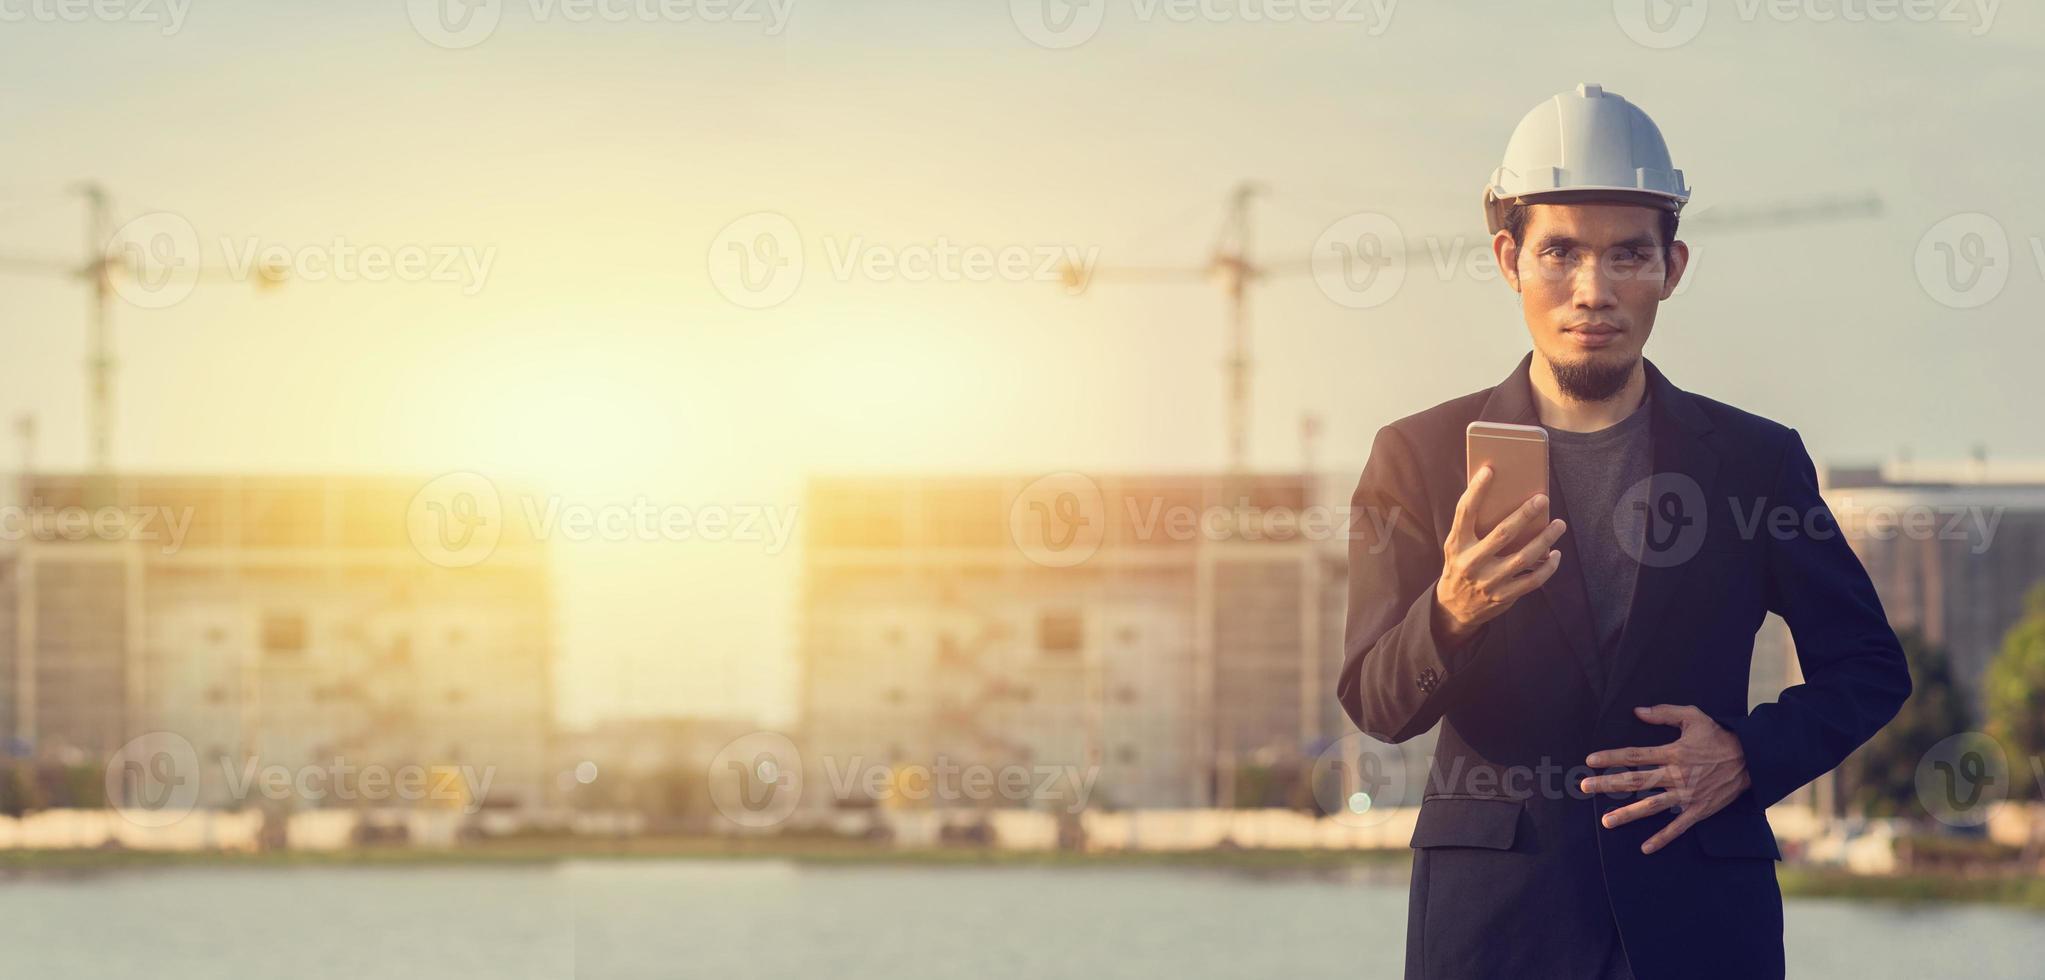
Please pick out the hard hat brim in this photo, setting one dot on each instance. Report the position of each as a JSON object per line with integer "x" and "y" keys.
{"x": 1495, "y": 204}
{"x": 1601, "y": 195}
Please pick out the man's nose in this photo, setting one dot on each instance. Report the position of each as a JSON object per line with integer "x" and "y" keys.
{"x": 1593, "y": 288}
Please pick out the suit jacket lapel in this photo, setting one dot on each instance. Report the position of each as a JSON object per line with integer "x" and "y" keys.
{"x": 1563, "y": 596}
{"x": 1683, "y": 480}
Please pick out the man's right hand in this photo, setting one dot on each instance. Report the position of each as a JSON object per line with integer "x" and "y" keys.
{"x": 1480, "y": 579}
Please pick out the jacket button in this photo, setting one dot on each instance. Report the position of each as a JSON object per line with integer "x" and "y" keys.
{"x": 1429, "y": 677}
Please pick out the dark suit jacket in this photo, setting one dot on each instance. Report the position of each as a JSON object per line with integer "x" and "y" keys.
{"x": 1512, "y": 873}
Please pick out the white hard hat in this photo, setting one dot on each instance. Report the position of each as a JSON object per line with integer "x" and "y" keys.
{"x": 1586, "y": 140}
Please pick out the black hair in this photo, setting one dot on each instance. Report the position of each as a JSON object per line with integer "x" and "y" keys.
{"x": 1515, "y": 221}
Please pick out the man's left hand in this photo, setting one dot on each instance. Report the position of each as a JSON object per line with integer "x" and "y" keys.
{"x": 1699, "y": 773}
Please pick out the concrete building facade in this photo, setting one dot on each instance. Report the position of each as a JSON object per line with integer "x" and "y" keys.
{"x": 282, "y": 621}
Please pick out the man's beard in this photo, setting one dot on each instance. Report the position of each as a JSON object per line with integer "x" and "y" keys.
{"x": 1594, "y": 379}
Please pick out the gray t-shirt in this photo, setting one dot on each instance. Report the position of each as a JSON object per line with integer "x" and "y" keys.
{"x": 1594, "y": 471}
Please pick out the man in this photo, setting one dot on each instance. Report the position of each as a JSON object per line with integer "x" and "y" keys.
{"x": 1595, "y": 807}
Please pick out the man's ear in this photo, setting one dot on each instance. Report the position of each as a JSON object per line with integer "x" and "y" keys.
{"x": 1678, "y": 261}
{"x": 1506, "y": 253}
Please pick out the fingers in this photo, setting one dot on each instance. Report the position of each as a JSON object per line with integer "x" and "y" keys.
{"x": 1627, "y": 782}
{"x": 1526, "y": 558}
{"x": 1544, "y": 571}
{"x": 1515, "y": 524}
{"x": 1462, "y": 532}
{"x": 1684, "y": 821}
{"x": 1525, "y": 580}
{"x": 1645, "y": 808}
{"x": 1646, "y": 755}
{"x": 1669, "y": 714}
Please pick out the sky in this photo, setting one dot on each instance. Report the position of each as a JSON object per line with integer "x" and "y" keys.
{"x": 581, "y": 173}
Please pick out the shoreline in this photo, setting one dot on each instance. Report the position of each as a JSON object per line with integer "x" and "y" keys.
{"x": 1797, "y": 881}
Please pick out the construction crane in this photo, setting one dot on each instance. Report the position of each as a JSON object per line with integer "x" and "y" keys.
{"x": 104, "y": 261}
{"x": 1233, "y": 264}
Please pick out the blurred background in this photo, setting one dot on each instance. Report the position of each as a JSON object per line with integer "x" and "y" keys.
{"x": 731, "y": 487}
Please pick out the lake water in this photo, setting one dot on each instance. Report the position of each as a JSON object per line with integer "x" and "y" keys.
{"x": 717, "y": 919}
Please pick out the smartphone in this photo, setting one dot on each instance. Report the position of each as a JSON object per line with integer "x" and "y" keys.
{"x": 1518, "y": 456}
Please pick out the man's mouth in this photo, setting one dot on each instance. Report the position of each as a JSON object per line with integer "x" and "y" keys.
{"x": 1593, "y": 335}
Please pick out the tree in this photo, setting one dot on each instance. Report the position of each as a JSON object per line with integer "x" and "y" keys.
{"x": 19, "y": 793}
{"x": 2016, "y": 694}
{"x": 1881, "y": 776}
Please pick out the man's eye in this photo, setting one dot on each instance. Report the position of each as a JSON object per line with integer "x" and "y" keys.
{"x": 1555, "y": 252}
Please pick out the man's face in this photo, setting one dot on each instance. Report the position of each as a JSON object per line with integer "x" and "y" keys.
{"x": 1590, "y": 277}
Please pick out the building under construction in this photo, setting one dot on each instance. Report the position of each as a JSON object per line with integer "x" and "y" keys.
{"x": 268, "y": 621}
{"x": 1953, "y": 548}
{"x": 1188, "y": 649}
{"x": 1188, "y": 655}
